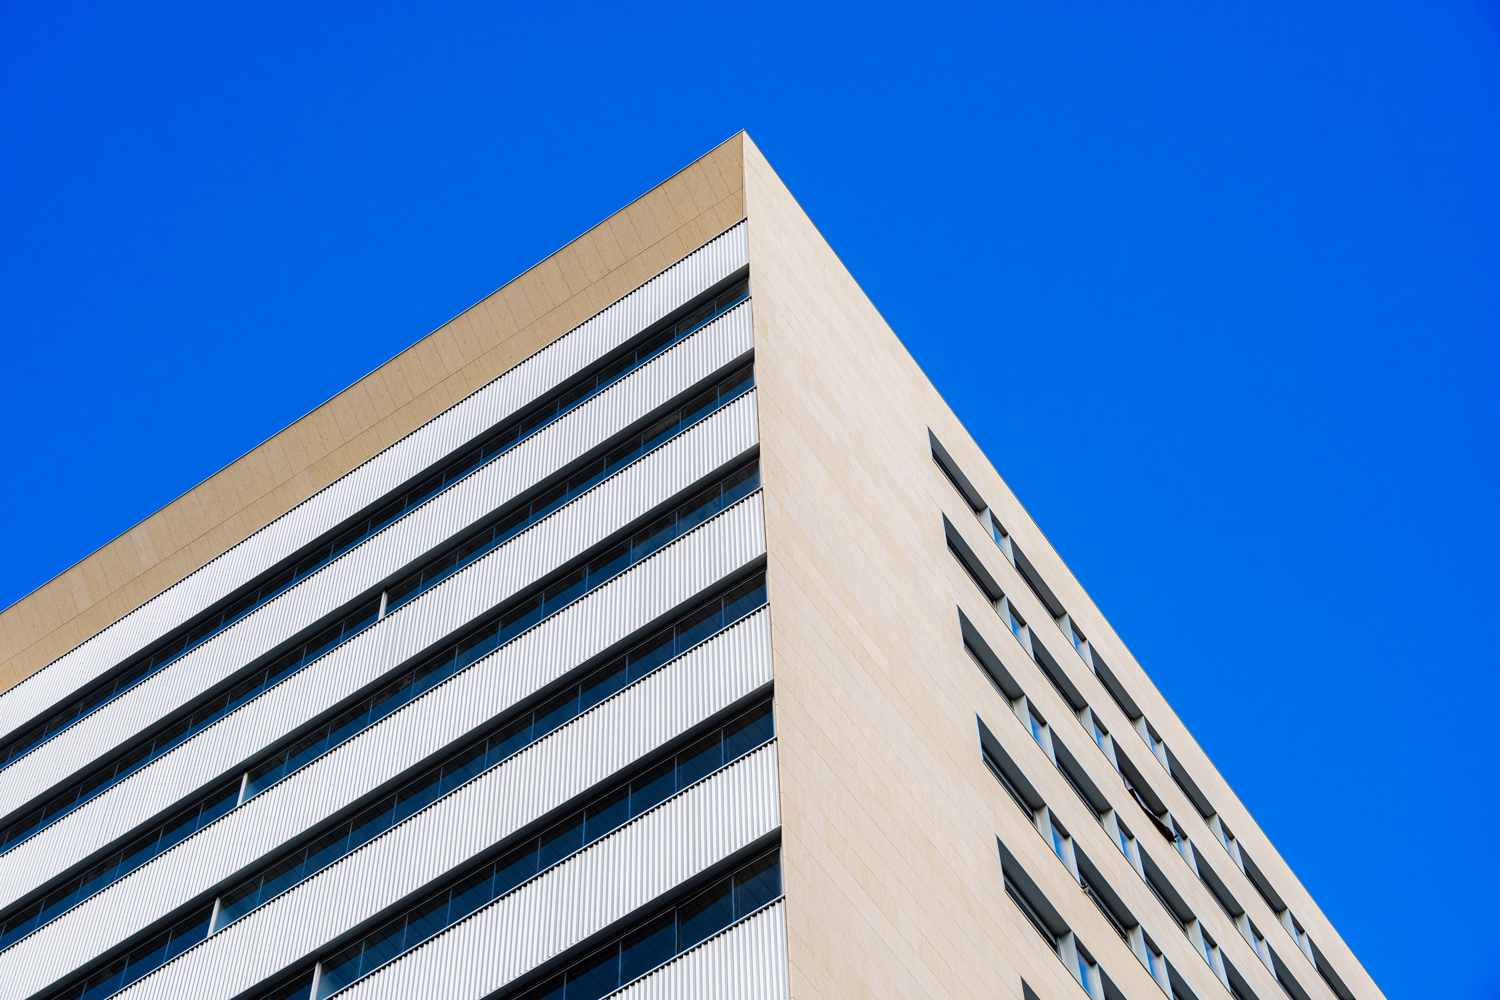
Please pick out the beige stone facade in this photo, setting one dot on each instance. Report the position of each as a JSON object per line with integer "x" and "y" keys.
{"x": 890, "y": 816}
{"x": 893, "y": 881}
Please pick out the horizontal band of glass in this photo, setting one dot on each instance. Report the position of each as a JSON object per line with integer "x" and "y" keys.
{"x": 696, "y": 626}
{"x": 560, "y": 402}
{"x": 666, "y": 935}
{"x": 528, "y": 859}
{"x": 144, "y": 753}
{"x": 620, "y": 455}
{"x": 663, "y": 430}
{"x": 143, "y": 958}
{"x": 481, "y": 755}
{"x": 712, "y": 751}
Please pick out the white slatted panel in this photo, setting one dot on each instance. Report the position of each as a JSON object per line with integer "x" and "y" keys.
{"x": 611, "y": 878}
{"x": 386, "y": 554}
{"x": 691, "y": 563}
{"x": 745, "y": 962}
{"x": 440, "y": 436}
{"x": 602, "y": 742}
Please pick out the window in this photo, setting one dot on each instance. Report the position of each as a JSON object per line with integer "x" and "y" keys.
{"x": 1019, "y": 898}
{"x": 650, "y": 944}
{"x": 1038, "y": 729}
{"x": 998, "y": 534}
{"x": 1154, "y": 960}
{"x": 721, "y": 747}
{"x": 1085, "y": 972}
{"x": 1005, "y": 782}
{"x": 345, "y": 537}
{"x": 655, "y": 940}
{"x": 522, "y": 614}
{"x": 1076, "y": 637}
{"x": 1100, "y": 733}
{"x": 954, "y": 475}
{"x": 1124, "y": 838}
{"x": 1059, "y": 842}
{"x": 1103, "y": 906}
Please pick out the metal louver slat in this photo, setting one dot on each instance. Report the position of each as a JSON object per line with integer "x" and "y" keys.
{"x": 443, "y": 434}
{"x": 747, "y": 961}
{"x": 616, "y": 875}
{"x": 603, "y": 741}
{"x": 386, "y": 553}
{"x": 702, "y": 556}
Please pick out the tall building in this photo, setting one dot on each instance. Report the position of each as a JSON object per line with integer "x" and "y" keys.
{"x": 653, "y": 629}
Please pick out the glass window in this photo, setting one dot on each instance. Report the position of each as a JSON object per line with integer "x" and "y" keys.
{"x": 652, "y": 787}
{"x": 373, "y": 821}
{"x": 658, "y": 432}
{"x": 606, "y": 813}
{"x": 699, "y": 625}
{"x": 555, "y": 712}
{"x": 474, "y": 891}
{"x": 1058, "y": 840}
{"x": 745, "y": 598}
{"x": 646, "y": 948}
{"x": 1085, "y": 973}
{"x": 508, "y": 740}
{"x": 383, "y": 945}
{"x": 566, "y": 590}
{"x": 463, "y": 766}
{"x": 705, "y": 913}
{"x": 757, "y": 884}
{"x": 340, "y": 970}
{"x": 741, "y": 483}
{"x": 604, "y": 567}
{"x": 653, "y": 537}
{"x": 699, "y": 509}
{"x": 104, "y": 982}
{"x": 701, "y": 758}
{"x": 560, "y": 841}
{"x": 58, "y": 900}
{"x": 602, "y": 683}
{"x": 417, "y": 794}
{"x": 429, "y": 917}
{"x": 748, "y": 731}
{"x": 326, "y": 849}
{"x": 515, "y": 868}
{"x": 284, "y": 873}
{"x": 700, "y": 406}
{"x": 551, "y": 989}
{"x": 238, "y": 901}
{"x": 189, "y": 932}
{"x": 651, "y": 654}
{"x": 596, "y": 975}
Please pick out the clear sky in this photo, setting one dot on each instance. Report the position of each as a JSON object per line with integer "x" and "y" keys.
{"x": 1217, "y": 289}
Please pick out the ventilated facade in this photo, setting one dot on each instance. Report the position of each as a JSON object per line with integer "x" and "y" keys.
{"x": 651, "y": 629}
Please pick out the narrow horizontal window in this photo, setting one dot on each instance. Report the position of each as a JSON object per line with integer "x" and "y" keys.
{"x": 507, "y": 739}
{"x": 515, "y": 621}
{"x": 366, "y": 524}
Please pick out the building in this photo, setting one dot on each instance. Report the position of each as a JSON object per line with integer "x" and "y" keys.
{"x": 652, "y": 626}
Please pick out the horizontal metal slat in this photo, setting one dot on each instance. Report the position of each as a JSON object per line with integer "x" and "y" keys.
{"x": 613, "y": 878}
{"x": 607, "y": 880}
{"x": 443, "y": 434}
{"x": 698, "y": 559}
{"x": 747, "y": 961}
{"x": 608, "y": 738}
{"x": 325, "y": 591}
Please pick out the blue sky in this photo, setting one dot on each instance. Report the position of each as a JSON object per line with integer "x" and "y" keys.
{"x": 1217, "y": 290}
